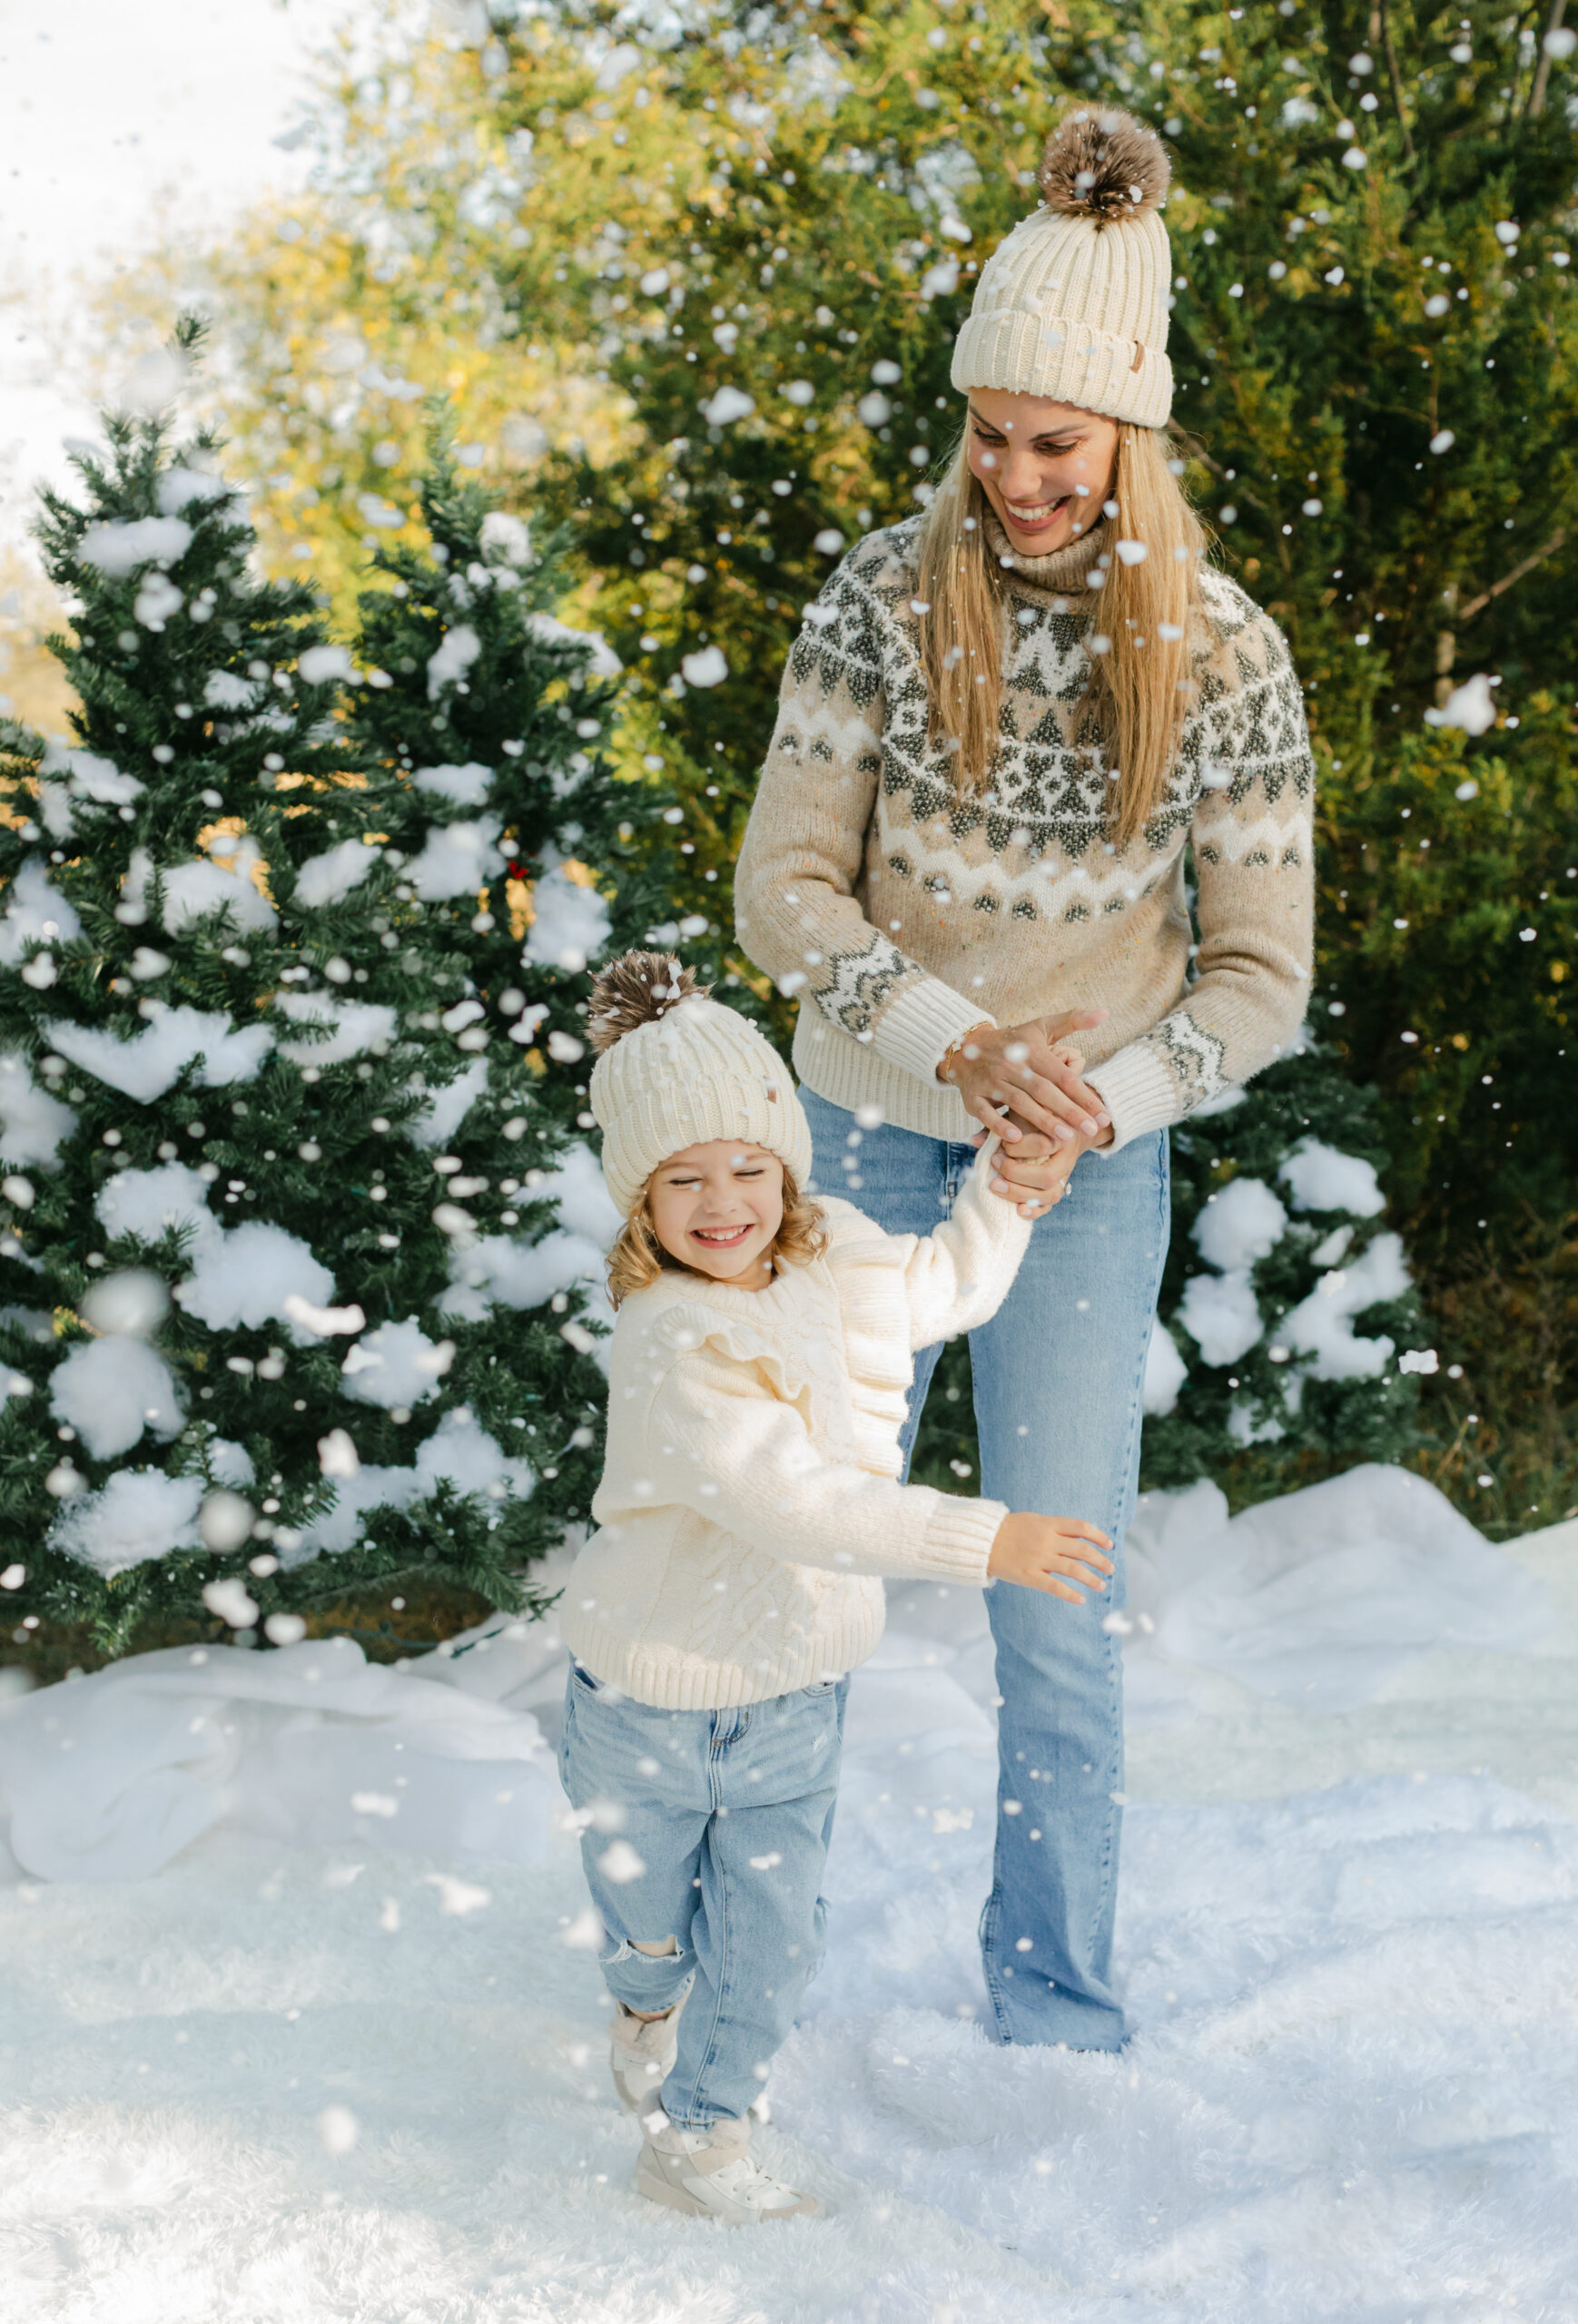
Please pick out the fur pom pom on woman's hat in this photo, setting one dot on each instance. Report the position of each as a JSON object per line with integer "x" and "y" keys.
{"x": 676, "y": 1068}
{"x": 1072, "y": 305}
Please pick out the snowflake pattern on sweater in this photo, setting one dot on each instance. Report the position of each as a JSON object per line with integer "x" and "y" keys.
{"x": 868, "y": 877}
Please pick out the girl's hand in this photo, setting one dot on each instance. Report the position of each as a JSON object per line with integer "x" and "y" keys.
{"x": 1034, "y": 1174}
{"x": 1050, "y": 1553}
{"x": 1028, "y": 1076}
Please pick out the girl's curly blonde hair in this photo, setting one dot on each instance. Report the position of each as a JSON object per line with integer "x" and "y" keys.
{"x": 639, "y": 1258}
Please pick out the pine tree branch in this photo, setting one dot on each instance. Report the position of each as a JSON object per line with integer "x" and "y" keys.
{"x": 1381, "y": 22}
{"x": 1477, "y": 604}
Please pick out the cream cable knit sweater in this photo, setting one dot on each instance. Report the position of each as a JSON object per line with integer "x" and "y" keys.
{"x": 908, "y": 915}
{"x": 750, "y": 1500}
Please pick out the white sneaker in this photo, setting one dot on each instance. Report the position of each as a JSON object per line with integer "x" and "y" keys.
{"x": 710, "y": 2174}
{"x": 642, "y": 2050}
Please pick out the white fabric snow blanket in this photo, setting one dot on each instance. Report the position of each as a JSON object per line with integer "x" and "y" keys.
{"x": 303, "y": 2019}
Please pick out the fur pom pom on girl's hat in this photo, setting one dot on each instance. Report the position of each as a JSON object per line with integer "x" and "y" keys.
{"x": 1072, "y": 305}
{"x": 679, "y": 1069}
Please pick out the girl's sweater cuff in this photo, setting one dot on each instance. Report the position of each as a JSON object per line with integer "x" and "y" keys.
{"x": 922, "y": 1020}
{"x": 959, "y": 1538}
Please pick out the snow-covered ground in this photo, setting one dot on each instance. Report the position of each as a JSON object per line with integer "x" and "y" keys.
{"x": 300, "y": 2074}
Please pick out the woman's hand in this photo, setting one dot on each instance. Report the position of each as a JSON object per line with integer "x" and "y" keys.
{"x": 1020, "y": 1078}
{"x": 1050, "y": 1553}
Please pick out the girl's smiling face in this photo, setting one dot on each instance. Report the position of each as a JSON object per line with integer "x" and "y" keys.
{"x": 1046, "y": 468}
{"x": 717, "y": 1207}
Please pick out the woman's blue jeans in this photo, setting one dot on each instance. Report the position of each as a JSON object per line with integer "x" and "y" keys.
{"x": 1059, "y": 1374}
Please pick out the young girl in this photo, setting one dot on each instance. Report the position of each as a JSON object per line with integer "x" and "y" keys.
{"x": 748, "y": 1509}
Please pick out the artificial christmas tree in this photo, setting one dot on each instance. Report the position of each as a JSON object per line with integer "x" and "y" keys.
{"x": 295, "y": 1246}
{"x": 1288, "y": 1319}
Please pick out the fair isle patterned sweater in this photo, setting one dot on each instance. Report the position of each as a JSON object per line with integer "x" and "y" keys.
{"x": 907, "y": 914}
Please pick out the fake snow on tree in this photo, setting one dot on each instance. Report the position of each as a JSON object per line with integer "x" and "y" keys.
{"x": 602, "y": 662}
{"x": 1285, "y": 1300}
{"x": 138, "y": 1515}
{"x": 112, "y": 1388}
{"x": 1322, "y": 1326}
{"x": 570, "y": 925}
{"x": 247, "y": 1277}
{"x": 275, "y": 1172}
{"x": 1323, "y": 1179}
{"x": 328, "y": 879}
{"x": 1219, "y": 1313}
{"x": 146, "y": 1064}
{"x": 1165, "y": 1372}
{"x": 397, "y": 1365}
{"x": 1287, "y": 1322}
{"x": 32, "y": 1122}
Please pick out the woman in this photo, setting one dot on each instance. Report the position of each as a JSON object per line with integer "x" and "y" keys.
{"x": 1004, "y": 723}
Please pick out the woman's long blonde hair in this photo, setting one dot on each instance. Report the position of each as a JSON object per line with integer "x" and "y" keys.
{"x": 1140, "y": 684}
{"x": 639, "y": 1258}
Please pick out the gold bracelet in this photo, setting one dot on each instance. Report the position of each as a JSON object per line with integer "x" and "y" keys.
{"x": 953, "y": 1048}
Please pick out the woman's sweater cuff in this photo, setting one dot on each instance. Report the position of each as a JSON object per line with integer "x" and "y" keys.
{"x": 1138, "y": 1090}
{"x": 959, "y": 1538}
{"x": 921, "y": 1022}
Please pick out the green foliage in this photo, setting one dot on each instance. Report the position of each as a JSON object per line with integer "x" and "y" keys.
{"x": 1307, "y": 1411}
{"x": 298, "y": 1228}
{"x": 1451, "y": 893}
{"x": 1452, "y": 915}
{"x": 1370, "y": 220}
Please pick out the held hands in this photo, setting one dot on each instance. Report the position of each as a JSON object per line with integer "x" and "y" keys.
{"x": 1050, "y": 1553}
{"x": 1035, "y": 1173}
{"x": 1030, "y": 1074}
{"x": 1017, "y": 1079}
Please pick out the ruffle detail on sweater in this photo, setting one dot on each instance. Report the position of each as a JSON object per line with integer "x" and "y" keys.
{"x": 867, "y": 1305}
{"x": 868, "y": 1269}
{"x": 785, "y": 1358}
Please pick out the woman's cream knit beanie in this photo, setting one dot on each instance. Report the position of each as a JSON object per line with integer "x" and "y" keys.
{"x": 677, "y": 1070}
{"x": 1072, "y": 305}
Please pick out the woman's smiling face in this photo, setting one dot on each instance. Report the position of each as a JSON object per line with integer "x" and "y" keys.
{"x": 1046, "y": 468}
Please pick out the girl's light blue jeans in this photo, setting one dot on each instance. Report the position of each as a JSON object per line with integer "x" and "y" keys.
{"x": 1059, "y": 1374}
{"x": 711, "y": 1828}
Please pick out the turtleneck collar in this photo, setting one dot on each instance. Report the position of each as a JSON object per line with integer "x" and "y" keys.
{"x": 1062, "y": 571}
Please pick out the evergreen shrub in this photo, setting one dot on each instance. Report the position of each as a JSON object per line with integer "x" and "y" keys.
{"x": 300, "y": 1234}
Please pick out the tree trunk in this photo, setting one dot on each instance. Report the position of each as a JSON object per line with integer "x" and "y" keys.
{"x": 1543, "y": 72}
{"x": 1446, "y": 647}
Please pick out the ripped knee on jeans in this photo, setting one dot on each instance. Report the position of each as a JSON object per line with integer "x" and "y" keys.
{"x": 658, "y": 1945}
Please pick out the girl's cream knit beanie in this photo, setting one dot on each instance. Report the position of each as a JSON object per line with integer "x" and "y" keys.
{"x": 1072, "y": 304}
{"x": 677, "y": 1070}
